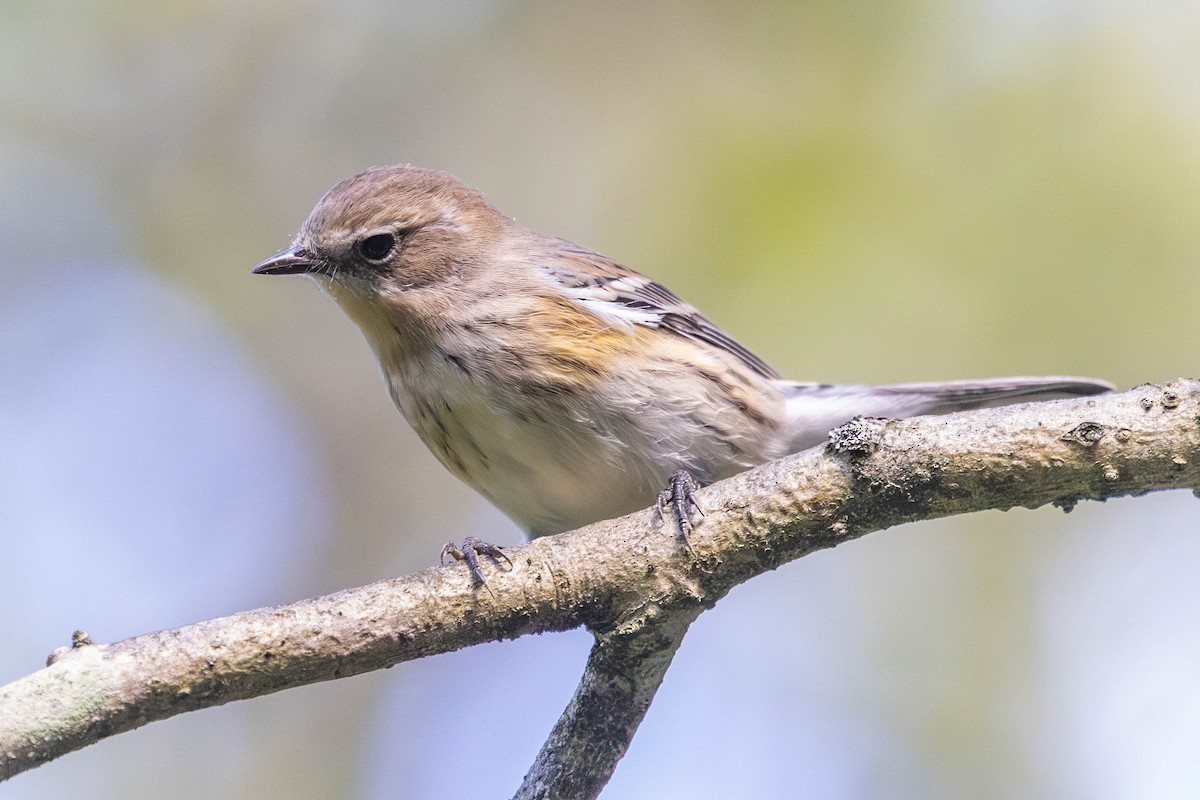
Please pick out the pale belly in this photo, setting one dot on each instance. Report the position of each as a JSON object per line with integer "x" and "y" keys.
{"x": 560, "y": 460}
{"x": 551, "y": 479}
{"x": 547, "y": 474}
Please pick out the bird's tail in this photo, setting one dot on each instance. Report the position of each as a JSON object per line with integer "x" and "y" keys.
{"x": 815, "y": 409}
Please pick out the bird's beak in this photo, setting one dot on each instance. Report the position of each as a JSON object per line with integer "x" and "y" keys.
{"x": 292, "y": 261}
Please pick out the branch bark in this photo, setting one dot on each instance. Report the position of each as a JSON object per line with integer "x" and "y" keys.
{"x": 633, "y": 586}
{"x": 624, "y": 670}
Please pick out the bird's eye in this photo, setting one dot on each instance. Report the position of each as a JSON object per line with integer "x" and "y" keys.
{"x": 377, "y": 247}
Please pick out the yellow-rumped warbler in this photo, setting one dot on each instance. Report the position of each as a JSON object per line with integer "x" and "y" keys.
{"x": 563, "y": 386}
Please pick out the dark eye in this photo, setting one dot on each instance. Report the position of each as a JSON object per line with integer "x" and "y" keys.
{"x": 377, "y": 247}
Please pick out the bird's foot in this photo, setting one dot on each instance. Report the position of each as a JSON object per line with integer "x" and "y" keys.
{"x": 680, "y": 492}
{"x": 469, "y": 551}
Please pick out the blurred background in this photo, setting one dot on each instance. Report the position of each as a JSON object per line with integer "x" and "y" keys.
{"x": 858, "y": 191}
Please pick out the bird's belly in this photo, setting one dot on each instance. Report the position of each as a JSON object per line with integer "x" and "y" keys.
{"x": 547, "y": 469}
{"x": 551, "y": 480}
{"x": 553, "y": 461}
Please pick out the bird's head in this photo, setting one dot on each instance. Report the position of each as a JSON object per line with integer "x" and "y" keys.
{"x": 391, "y": 231}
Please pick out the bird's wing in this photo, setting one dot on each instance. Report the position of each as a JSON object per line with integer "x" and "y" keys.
{"x": 616, "y": 293}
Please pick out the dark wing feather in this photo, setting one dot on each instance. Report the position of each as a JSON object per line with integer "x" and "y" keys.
{"x": 614, "y": 291}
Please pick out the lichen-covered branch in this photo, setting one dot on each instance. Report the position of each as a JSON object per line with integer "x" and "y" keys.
{"x": 622, "y": 576}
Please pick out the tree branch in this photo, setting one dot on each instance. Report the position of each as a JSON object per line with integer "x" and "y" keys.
{"x": 624, "y": 670}
{"x": 634, "y": 586}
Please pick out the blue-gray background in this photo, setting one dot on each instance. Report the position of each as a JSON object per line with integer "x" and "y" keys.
{"x": 859, "y": 191}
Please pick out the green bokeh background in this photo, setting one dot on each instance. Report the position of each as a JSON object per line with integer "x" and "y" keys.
{"x": 861, "y": 192}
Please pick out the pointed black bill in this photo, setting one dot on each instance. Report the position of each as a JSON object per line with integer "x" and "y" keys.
{"x": 292, "y": 261}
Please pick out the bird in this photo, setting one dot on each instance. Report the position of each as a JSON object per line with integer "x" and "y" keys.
{"x": 563, "y": 386}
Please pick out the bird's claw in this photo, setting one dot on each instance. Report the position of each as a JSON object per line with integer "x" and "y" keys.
{"x": 469, "y": 551}
{"x": 680, "y": 493}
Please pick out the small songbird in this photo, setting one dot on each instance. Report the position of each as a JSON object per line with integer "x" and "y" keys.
{"x": 563, "y": 386}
